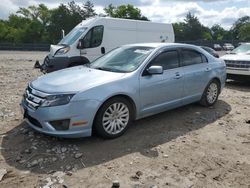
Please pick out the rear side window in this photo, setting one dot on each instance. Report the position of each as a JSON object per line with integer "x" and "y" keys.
{"x": 168, "y": 60}
{"x": 191, "y": 57}
{"x": 94, "y": 37}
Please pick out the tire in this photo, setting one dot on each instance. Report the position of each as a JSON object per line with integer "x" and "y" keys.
{"x": 108, "y": 123}
{"x": 211, "y": 93}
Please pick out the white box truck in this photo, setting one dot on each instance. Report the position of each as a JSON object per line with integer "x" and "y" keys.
{"x": 95, "y": 36}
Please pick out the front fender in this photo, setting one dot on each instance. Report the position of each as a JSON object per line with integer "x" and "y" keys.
{"x": 106, "y": 91}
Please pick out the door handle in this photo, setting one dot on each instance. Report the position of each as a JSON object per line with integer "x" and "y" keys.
{"x": 177, "y": 75}
{"x": 207, "y": 69}
{"x": 102, "y": 50}
{"x": 83, "y": 52}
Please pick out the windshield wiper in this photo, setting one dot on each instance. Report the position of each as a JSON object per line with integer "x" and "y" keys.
{"x": 87, "y": 65}
{"x": 62, "y": 44}
{"x": 103, "y": 68}
{"x": 108, "y": 69}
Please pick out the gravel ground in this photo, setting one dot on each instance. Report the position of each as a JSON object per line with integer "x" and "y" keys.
{"x": 187, "y": 147}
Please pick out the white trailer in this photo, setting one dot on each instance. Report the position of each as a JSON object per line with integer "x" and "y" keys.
{"x": 95, "y": 36}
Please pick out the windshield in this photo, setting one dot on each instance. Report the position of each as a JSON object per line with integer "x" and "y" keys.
{"x": 244, "y": 48}
{"x": 123, "y": 59}
{"x": 72, "y": 36}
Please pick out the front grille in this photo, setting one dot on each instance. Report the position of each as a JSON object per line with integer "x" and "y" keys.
{"x": 237, "y": 64}
{"x": 33, "y": 98}
{"x": 46, "y": 60}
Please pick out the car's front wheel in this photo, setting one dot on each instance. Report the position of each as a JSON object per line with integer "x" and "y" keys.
{"x": 211, "y": 93}
{"x": 113, "y": 118}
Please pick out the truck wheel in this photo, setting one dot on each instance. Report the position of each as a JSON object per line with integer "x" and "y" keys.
{"x": 113, "y": 118}
{"x": 211, "y": 93}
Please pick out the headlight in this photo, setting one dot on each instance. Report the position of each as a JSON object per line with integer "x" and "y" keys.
{"x": 63, "y": 50}
{"x": 56, "y": 100}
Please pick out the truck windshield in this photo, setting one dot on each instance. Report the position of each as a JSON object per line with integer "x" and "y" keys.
{"x": 123, "y": 59}
{"x": 72, "y": 36}
{"x": 244, "y": 48}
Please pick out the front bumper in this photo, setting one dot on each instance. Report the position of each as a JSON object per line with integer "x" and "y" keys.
{"x": 51, "y": 63}
{"x": 238, "y": 71}
{"x": 80, "y": 111}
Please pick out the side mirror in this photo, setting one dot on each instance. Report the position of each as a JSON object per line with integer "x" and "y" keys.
{"x": 80, "y": 44}
{"x": 155, "y": 70}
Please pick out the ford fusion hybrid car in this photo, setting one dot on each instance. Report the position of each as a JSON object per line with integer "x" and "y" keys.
{"x": 126, "y": 84}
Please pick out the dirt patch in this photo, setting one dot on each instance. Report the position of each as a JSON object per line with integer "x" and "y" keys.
{"x": 190, "y": 146}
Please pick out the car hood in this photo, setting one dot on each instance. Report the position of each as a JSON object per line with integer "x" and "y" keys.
{"x": 73, "y": 80}
{"x": 236, "y": 57}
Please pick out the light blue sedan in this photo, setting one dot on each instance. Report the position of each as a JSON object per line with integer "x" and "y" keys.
{"x": 128, "y": 83}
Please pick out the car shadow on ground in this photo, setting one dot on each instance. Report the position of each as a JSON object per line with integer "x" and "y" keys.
{"x": 25, "y": 149}
{"x": 238, "y": 85}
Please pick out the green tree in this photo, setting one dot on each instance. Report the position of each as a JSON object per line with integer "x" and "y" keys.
{"x": 15, "y": 26}
{"x": 88, "y": 9}
{"x": 36, "y": 24}
{"x": 179, "y": 30}
{"x": 206, "y": 35}
{"x": 237, "y": 25}
{"x": 37, "y": 18}
{"x": 60, "y": 19}
{"x": 3, "y": 31}
{"x": 218, "y": 32}
{"x": 125, "y": 11}
{"x": 244, "y": 32}
{"x": 191, "y": 29}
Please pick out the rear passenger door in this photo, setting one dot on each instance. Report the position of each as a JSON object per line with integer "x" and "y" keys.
{"x": 162, "y": 91}
{"x": 196, "y": 72}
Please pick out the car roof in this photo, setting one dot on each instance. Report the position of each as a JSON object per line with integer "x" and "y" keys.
{"x": 159, "y": 45}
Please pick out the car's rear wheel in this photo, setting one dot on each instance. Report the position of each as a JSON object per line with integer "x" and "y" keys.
{"x": 211, "y": 93}
{"x": 113, "y": 118}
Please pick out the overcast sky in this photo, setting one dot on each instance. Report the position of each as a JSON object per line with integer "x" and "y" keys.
{"x": 210, "y": 12}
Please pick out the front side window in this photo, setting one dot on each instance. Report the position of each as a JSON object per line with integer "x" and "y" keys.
{"x": 191, "y": 57}
{"x": 94, "y": 37}
{"x": 168, "y": 60}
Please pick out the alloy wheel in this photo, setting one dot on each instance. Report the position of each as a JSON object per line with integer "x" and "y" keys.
{"x": 115, "y": 118}
{"x": 212, "y": 93}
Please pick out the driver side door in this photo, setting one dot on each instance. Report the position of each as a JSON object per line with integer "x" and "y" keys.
{"x": 160, "y": 92}
{"x": 92, "y": 43}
